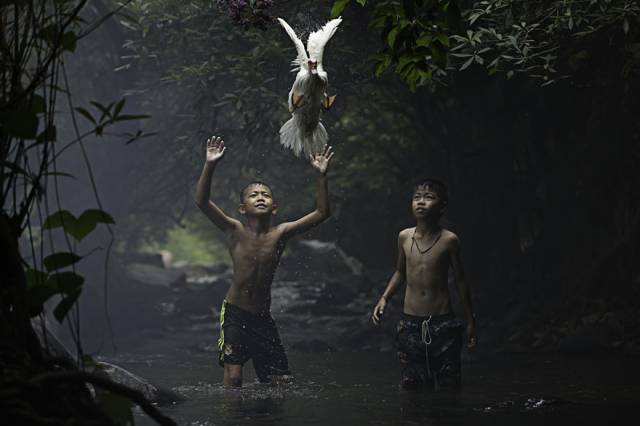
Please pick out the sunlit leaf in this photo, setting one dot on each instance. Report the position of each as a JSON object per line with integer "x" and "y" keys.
{"x": 338, "y": 7}
{"x": 391, "y": 37}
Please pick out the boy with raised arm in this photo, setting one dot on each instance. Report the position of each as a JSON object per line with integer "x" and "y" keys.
{"x": 247, "y": 330}
{"x": 429, "y": 337}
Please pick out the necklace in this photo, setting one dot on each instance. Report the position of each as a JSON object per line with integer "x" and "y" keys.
{"x": 414, "y": 241}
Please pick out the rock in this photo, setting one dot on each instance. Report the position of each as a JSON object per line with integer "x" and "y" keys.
{"x": 337, "y": 293}
{"x": 154, "y": 259}
{"x": 591, "y": 339}
{"x": 153, "y": 393}
{"x": 56, "y": 349}
{"x": 201, "y": 301}
{"x": 155, "y": 276}
{"x": 309, "y": 258}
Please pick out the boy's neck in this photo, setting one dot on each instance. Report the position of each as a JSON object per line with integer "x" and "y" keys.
{"x": 427, "y": 226}
{"x": 259, "y": 224}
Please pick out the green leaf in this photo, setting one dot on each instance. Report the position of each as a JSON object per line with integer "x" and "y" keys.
{"x": 442, "y": 38}
{"x": 424, "y": 40}
{"x": 97, "y": 216}
{"x": 361, "y": 2}
{"x": 338, "y": 7}
{"x": 106, "y": 110}
{"x": 119, "y": 107}
{"x": 50, "y": 134}
{"x": 68, "y": 41}
{"x": 61, "y": 311}
{"x": 37, "y": 297}
{"x": 65, "y": 282}
{"x": 49, "y": 33}
{"x": 86, "y": 114}
{"x": 117, "y": 407}
{"x": 61, "y": 218}
{"x": 38, "y": 104}
{"x": 391, "y": 37}
{"x": 467, "y": 63}
{"x": 60, "y": 260}
{"x": 20, "y": 122}
{"x": 87, "y": 222}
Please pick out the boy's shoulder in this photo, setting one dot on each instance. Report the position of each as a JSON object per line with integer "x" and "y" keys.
{"x": 406, "y": 233}
{"x": 450, "y": 238}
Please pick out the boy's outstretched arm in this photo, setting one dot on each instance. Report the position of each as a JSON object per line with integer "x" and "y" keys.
{"x": 463, "y": 291}
{"x": 215, "y": 151}
{"x": 396, "y": 281}
{"x": 320, "y": 162}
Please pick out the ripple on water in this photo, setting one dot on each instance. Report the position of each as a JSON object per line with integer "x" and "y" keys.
{"x": 255, "y": 390}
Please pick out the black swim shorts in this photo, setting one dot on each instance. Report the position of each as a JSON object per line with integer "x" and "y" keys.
{"x": 429, "y": 350}
{"x": 245, "y": 335}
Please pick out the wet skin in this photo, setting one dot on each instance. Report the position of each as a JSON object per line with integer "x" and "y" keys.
{"x": 256, "y": 246}
{"x": 255, "y": 255}
{"x": 425, "y": 254}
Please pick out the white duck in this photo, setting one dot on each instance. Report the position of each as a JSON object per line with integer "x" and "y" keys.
{"x": 304, "y": 131}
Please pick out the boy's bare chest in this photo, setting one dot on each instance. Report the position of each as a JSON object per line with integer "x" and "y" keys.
{"x": 421, "y": 259}
{"x": 257, "y": 248}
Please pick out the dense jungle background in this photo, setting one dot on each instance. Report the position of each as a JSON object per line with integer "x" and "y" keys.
{"x": 527, "y": 110}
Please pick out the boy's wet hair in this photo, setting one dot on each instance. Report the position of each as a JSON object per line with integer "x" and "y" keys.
{"x": 434, "y": 185}
{"x": 253, "y": 183}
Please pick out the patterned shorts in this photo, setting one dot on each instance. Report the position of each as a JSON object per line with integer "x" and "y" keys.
{"x": 245, "y": 335}
{"x": 429, "y": 350}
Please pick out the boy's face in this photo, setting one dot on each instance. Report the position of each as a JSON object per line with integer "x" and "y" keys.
{"x": 257, "y": 200}
{"x": 426, "y": 203}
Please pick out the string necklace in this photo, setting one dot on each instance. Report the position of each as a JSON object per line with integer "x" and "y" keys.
{"x": 414, "y": 241}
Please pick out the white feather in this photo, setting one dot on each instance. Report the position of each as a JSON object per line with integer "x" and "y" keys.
{"x": 302, "y": 59}
{"x": 318, "y": 40}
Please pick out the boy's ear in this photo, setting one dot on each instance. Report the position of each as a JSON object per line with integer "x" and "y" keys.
{"x": 242, "y": 209}
{"x": 275, "y": 209}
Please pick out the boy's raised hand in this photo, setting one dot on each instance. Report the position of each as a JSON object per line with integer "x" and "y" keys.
{"x": 320, "y": 161}
{"x": 215, "y": 149}
{"x": 378, "y": 310}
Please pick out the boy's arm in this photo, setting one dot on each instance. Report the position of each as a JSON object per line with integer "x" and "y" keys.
{"x": 215, "y": 151}
{"x": 396, "y": 281}
{"x": 463, "y": 290}
{"x": 321, "y": 163}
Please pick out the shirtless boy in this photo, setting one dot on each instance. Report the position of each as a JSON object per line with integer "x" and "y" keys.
{"x": 429, "y": 337}
{"x": 247, "y": 330}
